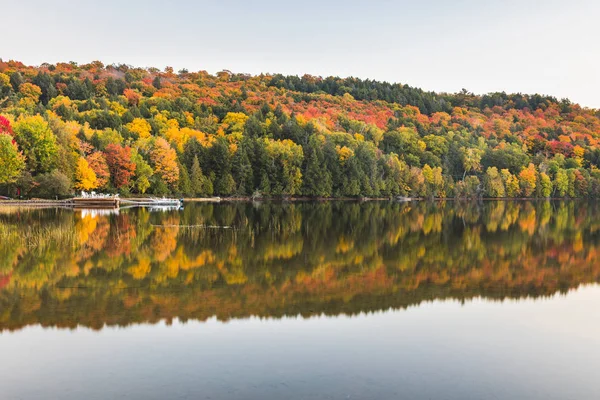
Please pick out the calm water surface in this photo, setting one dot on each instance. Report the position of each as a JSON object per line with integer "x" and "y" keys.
{"x": 496, "y": 300}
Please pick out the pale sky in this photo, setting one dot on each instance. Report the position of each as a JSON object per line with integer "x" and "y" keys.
{"x": 548, "y": 47}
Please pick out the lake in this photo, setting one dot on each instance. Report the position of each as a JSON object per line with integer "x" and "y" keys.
{"x": 329, "y": 300}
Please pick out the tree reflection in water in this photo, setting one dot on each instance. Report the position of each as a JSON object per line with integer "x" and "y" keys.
{"x": 63, "y": 268}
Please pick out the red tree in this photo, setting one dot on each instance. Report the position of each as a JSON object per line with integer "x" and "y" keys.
{"x": 98, "y": 163}
{"x": 119, "y": 163}
{"x": 5, "y": 126}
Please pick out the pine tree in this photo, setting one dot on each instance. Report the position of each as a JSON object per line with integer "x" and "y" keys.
{"x": 317, "y": 178}
{"x": 225, "y": 185}
{"x": 185, "y": 184}
{"x": 265, "y": 185}
{"x": 197, "y": 179}
{"x": 242, "y": 171}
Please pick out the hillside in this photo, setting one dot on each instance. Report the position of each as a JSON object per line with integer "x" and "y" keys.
{"x": 116, "y": 128}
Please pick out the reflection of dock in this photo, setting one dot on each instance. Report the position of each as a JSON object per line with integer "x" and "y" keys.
{"x": 95, "y": 202}
{"x": 153, "y": 201}
{"x": 98, "y": 202}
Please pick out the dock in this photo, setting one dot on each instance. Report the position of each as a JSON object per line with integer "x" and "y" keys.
{"x": 95, "y": 202}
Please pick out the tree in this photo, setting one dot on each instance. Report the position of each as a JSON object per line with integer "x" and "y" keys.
{"x": 16, "y": 80}
{"x": 98, "y": 164}
{"x": 140, "y": 127}
{"x": 561, "y": 183}
{"x": 12, "y": 160}
{"x": 493, "y": 183}
{"x": 31, "y": 92}
{"x": 164, "y": 159}
{"x": 5, "y": 127}
{"x": 471, "y": 159}
{"x": 185, "y": 185}
{"x": 225, "y": 185}
{"x": 197, "y": 178}
{"x": 505, "y": 156}
{"x": 120, "y": 165}
{"x": 511, "y": 183}
{"x": 434, "y": 181}
{"x": 34, "y": 137}
{"x": 47, "y": 86}
{"x": 317, "y": 178}
{"x": 133, "y": 96}
{"x": 5, "y": 87}
{"x": 85, "y": 176}
{"x": 545, "y": 184}
{"x": 143, "y": 173}
{"x": 416, "y": 182}
{"x": 470, "y": 187}
{"x": 527, "y": 180}
{"x": 406, "y": 142}
{"x": 242, "y": 171}
{"x": 52, "y": 184}
{"x": 396, "y": 176}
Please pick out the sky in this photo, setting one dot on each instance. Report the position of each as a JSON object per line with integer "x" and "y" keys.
{"x": 547, "y": 47}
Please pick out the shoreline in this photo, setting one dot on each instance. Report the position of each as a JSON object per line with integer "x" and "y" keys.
{"x": 69, "y": 202}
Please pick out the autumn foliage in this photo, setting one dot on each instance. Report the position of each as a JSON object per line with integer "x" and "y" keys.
{"x": 281, "y": 136}
{"x": 119, "y": 163}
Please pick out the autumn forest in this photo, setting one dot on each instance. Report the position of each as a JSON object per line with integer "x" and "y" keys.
{"x": 121, "y": 129}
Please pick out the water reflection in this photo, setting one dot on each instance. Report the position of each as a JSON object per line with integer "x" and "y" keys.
{"x": 64, "y": 268}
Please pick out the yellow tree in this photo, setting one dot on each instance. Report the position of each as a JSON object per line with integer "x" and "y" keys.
{"x": 511, "y": 183}
{"x": 31, "y": 92}
{"x": 139, "y": 126}
{"x": 85, "y": 175}
{"x": 165, "y": 161}
{"x": 527, "y": 180}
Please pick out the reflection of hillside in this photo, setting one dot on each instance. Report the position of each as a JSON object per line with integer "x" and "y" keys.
{"x": 63, "y": 269}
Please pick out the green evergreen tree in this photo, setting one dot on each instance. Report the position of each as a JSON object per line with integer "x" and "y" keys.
{"x": 185, "y": 185}
{"x": 316, "y": 177}
{"x": 198, "y": 180}
{"x": 242, "y": 172}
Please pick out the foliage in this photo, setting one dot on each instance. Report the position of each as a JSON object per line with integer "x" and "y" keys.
{"x": 38, "y": 143}
{"x": 287, "y": 136}
{"x": 120, "y": 165}
{"x": 52, "y": 184}
{"x": 12, "y": 161}
{"x": 85, "y": 177}
{"x": 165, "y": 161}
{"x": 97, "y": 162}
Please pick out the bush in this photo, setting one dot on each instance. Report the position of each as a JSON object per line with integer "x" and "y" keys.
{"x": 52, "y": 184}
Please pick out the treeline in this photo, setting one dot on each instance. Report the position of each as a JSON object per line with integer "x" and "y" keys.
{"x": 427, "y": 102}
{"x": 65, "y": 128}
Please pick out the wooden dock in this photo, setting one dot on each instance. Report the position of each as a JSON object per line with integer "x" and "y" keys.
{"x": 95, "y": 202}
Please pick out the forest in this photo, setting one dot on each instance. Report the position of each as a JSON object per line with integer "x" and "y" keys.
{"x": 66, "y": 127}
{"x": 63, "y": 268}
